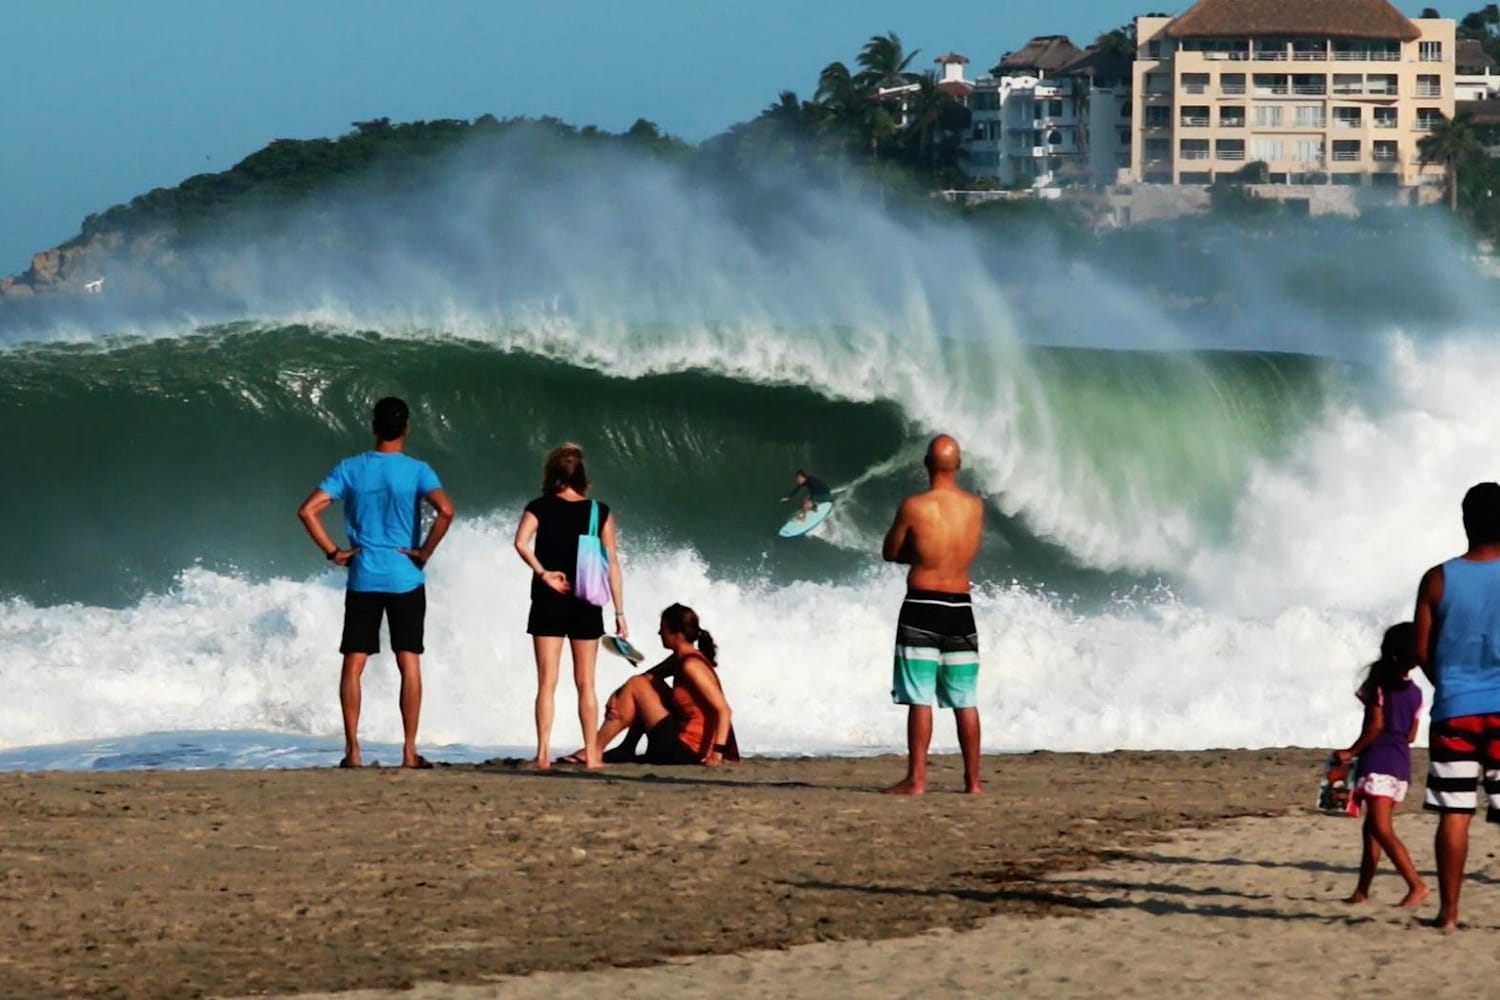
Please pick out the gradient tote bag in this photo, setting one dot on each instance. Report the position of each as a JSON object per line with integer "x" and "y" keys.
{"x": 592, "y": 577}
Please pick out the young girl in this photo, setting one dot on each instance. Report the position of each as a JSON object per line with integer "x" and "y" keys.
{"x": 1392, "y": 704}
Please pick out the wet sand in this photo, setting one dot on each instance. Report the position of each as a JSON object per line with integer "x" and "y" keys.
{"x": 179, "y": 884}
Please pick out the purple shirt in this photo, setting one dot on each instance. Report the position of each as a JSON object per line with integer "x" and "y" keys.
{"x": 1391, "y": 751}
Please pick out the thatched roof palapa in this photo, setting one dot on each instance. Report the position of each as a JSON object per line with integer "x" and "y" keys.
{"x": 1375, "y": 19}
{"x": 1472, "y": 58}
{"x": 1043, "y": 54}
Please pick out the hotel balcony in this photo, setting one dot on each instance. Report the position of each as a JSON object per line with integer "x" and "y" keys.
{"x": 1193, "y": 121}
{"x": 1307, "y": 50}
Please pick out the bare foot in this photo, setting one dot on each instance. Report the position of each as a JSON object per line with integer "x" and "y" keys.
{"x": 541, "y": 764}
{"x": 1415, "y": 897}
{"x": 1357, "y": 898}
{"x": 974, "y": 788}
{"x": 907, "y": 787}
{"x": 1445, "y": 922}
{"x": 597, "y": 765}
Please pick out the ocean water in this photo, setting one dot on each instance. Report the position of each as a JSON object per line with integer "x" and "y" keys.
{"x": 1197, "y": 528}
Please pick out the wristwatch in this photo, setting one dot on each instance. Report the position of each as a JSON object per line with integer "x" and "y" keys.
{"x": 329, "y": 556}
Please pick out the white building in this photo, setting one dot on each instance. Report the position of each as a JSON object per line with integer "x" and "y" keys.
{"x": 1048, "y": 115}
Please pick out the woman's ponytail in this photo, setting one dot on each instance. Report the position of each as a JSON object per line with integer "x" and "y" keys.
{"x": 707, "y": 646}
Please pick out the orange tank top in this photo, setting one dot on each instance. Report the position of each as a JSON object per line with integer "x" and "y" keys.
{"x": 691, "y": 710}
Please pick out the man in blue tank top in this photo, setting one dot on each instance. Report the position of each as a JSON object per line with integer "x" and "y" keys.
{"x": 1458, "y": 644}
{"x": 382, "y": 492}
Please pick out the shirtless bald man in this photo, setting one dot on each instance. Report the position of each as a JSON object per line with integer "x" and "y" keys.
{"x": 937, "y": 534}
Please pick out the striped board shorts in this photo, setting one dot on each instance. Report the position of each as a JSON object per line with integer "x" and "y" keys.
{"x": 937, "y": 651}
{"x": 1461, "y": 750}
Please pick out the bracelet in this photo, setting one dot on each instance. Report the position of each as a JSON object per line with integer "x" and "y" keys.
{"x": 329, "y": 555}
{"x": 619, "y": 614}
{"x": 721, "y": 748}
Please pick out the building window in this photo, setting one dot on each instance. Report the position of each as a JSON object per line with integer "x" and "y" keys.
{"x": 1347, "y": 180}
{"x": 1153, "y": 50}
{"x": 1230, "y": 149}
{"x": 1385, "y": 118}
{"x": 1309, "y": 150}
{"x": 1268, "y": 150}
{"x": 1267, "y": 116}
{"x": 1310, "y": 116}
{"x": 1429, "y": 85}
{"x": 1197, "y": 177}
{"x": 1430, "y": 51}
{"x": 1385, "y": 151}
{"x": 1195, "y": 83}
{"x": 1231, "y": 117}
{"x": 1427, "y": 119}
{"x": 1158, "y": 117}
{"x": 1194, "y": 149}
{"x": 1348, "y": 117}
{"x": 1195, "y": 116}
{"x": 1346, "y": 151}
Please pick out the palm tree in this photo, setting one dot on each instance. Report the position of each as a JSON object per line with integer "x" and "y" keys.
{"x": 884, "y": 62}
{"x": 1451, "y": 142}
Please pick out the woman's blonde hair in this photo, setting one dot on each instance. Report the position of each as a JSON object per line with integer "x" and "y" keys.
{"x": 564, "y": 469}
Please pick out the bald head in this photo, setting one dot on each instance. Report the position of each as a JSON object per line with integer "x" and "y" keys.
{"x": 943, "y": 455}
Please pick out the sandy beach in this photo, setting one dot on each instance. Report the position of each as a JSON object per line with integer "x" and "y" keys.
{"x": 179, "y": 884}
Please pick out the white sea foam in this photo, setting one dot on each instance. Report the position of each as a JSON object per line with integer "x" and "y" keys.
{"x": 807, "y": 666}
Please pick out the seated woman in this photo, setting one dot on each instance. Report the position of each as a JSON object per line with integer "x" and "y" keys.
{"x": 686, "y": 723}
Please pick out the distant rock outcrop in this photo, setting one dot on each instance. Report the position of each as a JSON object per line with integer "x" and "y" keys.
{"x": 81, "y": 267}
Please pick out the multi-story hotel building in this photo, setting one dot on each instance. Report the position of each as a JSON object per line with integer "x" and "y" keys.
{"x": 1320, "y": 91}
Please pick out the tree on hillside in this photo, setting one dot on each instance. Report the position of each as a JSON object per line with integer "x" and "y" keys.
{"x": 883, "y": 62}
{"x": 1118, "y": 41}
{"x": 1450, "y": 143}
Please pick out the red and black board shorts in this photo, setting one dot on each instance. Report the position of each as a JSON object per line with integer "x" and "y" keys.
{"x": 1462, "y": 750}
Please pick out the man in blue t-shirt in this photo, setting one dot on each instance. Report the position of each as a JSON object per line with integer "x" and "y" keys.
{"x": 382, "y": 493}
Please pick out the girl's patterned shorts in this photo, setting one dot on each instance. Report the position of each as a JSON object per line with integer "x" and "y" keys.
{"x": 1380, "y": 786}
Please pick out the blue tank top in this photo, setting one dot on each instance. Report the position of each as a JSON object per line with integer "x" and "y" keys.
{"x": 1466, "y": 663}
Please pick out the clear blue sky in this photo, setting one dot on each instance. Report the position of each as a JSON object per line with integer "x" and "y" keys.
{"x": 105, "y": 99}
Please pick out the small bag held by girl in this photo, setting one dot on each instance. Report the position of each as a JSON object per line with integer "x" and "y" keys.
{"x": 592, "y": 576}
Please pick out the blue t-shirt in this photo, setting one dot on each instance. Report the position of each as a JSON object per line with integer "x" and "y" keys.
{"x": 382, "y": 494}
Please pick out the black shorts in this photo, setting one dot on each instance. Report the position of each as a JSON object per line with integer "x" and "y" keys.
{"x": 406, "y": 613}
{"x": 664, "y": 746}
{"x": 564, "y": 616}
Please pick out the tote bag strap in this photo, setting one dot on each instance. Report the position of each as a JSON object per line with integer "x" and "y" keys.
{"x": 594, "y": 518}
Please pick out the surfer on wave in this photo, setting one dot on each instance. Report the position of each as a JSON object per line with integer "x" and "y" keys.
{"x": 816, "y": 492}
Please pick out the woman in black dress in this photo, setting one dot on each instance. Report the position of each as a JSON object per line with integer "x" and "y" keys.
{"x": 547, "y": 541}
